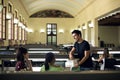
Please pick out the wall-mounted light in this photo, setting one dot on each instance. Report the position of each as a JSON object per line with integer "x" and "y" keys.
{"x": 20, "y": 24}
{"x": 79, "y": 29}
{"x": 90, "y": 24}
{"x": 30, "y": 30}
{"x": 16, "y": 21}
{"x": 84, "y": 26}
{"x": 61, "y": 31}
{"x": 26, "y": 29}
{"x": 9, "y": 15}
{"x": 42, "y": 30}
{"x": 23, "y": 26}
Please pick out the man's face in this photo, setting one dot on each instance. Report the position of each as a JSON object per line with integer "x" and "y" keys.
{"x": 76, "y": 36}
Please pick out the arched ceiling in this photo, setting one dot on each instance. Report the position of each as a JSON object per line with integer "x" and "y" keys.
{"x": 72, "y": 7}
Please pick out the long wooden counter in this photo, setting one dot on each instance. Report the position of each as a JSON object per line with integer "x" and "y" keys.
{"x": 35, "y": 55}
{"x": 82, "y": 75}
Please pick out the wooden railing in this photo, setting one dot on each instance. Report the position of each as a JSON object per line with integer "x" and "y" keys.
{"x": 82, "y": 75}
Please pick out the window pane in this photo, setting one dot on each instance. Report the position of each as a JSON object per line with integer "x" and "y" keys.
{"x": 19, "y": 33}
{"x": 49, "y": 30}
{"x": 4, "y": 23}
{"x": 54, "y": 33}
{"x": 49, "y": 26}
{"x": 54, "y": 39}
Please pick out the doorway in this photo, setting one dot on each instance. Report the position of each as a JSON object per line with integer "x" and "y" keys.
{"x": 109, "y": 29}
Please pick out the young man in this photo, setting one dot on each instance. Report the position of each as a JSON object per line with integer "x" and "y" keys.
{"x": 82, "y": 47}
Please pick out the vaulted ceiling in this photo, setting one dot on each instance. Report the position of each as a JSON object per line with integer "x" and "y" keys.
{"x": 72, "y": 7}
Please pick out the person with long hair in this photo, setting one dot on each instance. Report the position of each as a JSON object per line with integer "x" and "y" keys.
{"x": 106, "y": 61}
{"x": 49, "y": 64}
{"x": 104, "y": 55}
{"x": 23, "y": 62}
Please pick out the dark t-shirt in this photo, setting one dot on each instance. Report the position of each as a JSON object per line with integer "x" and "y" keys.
{"x": 80, "y": 49}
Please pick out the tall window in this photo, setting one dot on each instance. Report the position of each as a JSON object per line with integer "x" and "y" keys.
{"x": 23, "y": 32}
{"x": 51, "y": 34}
{"x": 2, "y": 22}
{"x": 20, "y": 29}
{"x": 0, "y": 25}
{"x": 15, "y": 26}
{"x": 25, "y": 35}
{"x": 10, "y": 23}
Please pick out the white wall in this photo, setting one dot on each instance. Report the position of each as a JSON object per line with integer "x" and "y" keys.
{"x": 94, "y": 10}
{"x": 109, "y": 34}
{"x": 67, "y": 24}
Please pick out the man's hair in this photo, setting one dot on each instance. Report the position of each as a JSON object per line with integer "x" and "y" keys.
{"x": 77, "y": 32}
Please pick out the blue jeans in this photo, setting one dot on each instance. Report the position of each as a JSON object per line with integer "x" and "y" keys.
{"x": 85, "y": 69}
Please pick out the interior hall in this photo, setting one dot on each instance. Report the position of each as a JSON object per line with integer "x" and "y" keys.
{"x": 40, "y": 27}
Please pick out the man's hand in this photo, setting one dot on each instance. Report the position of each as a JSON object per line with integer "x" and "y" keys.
{"x": 76, "y": 65}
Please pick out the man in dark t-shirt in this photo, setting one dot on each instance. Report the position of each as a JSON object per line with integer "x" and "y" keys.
{"x": 82, "y": 47}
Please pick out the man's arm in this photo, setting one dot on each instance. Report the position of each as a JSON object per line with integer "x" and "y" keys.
{"x": 86, "y": 53}
{"x": 71, "y": 53}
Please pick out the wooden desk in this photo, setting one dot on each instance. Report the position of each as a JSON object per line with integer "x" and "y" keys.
{"x": 82, "y": 75}
{"x": 33, "y": 57}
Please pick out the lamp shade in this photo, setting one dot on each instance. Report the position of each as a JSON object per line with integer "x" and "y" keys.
{"x": 61, "y": 31}
{"x": 16, "y": 20}
{"x": 9, "y": 16}
{"x": 23, "y": 26}
{"x": 42, "y": 30}
{"x": 20, "y": 24}
{"x": 30, "y": 30}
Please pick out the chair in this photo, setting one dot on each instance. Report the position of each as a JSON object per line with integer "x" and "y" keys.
{"x": 108, "y": 64}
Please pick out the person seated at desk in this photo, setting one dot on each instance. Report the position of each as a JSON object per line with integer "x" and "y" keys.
{"x": 22, "y": 60}
{"x": 106, "y": 61}
{"x": 49, "y": 64}
{"x": 105, "y": 55}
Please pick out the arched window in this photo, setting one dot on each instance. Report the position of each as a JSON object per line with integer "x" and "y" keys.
{"x": 2, "y": 22}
